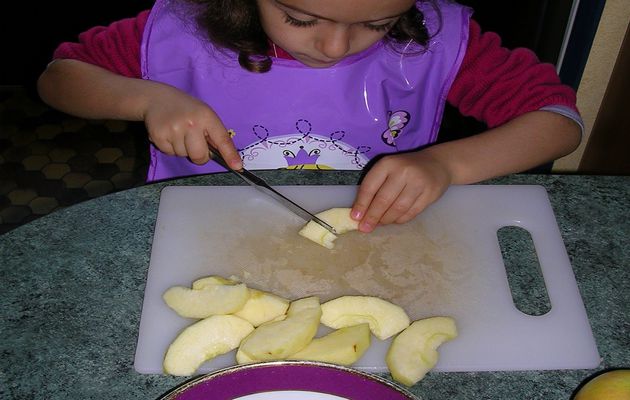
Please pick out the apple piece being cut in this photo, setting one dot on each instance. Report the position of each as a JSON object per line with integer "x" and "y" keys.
{"x": 262, "y": 307}
{"x": 203, "y": 341}
{"x": 413, "y": 352}
{"x": 384, "y": 318}
{"x": 278, "y": 340}
{"x": 211, "y": 300}
{"x": 343, "y": 346}
{"x": 338, "y": 218}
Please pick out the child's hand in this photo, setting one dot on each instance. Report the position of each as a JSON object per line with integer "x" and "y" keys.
{"x": 181, "y": 125}
{"x": 398, "y": 188}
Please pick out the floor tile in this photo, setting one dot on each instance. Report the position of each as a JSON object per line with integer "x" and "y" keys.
{"x": 50, "y": 160}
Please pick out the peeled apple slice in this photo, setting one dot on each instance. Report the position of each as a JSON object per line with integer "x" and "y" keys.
{"x": 338, "y": 218}
{"x": 260, "y": 306}
{"x": 413, "y": 352}
{"x": 203, "y": 341}
{"x": 211, "y": 300}
{"x": 278, "y": 340}
{"x": 384, "y": 318}
{"x": 343, "y": 346}
{"x": 203, "y": 283}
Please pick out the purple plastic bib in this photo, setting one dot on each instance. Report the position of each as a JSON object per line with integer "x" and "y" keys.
{"x": 376, "y": 102}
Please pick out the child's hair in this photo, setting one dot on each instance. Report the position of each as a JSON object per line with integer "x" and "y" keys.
{"x": 235, "y": 25}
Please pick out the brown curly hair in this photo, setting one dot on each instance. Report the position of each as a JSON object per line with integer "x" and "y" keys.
{"x": 237, "y": 27}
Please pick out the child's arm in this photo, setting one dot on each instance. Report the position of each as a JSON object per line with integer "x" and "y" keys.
{"x": 400, "y": 186}
{"x": 178, "y": 124}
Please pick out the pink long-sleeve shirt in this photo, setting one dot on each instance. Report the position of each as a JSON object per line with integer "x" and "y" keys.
{"x": 494, "y": 84}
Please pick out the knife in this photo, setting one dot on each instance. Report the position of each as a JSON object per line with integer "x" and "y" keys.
{"x": 261, "y": 185}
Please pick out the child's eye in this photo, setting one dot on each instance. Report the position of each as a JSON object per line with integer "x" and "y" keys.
{"x": 379, "y": 28}
{"x": 298, "y": 22}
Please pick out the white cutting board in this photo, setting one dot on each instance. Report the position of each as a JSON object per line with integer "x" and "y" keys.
{"x": 446, "y": 262}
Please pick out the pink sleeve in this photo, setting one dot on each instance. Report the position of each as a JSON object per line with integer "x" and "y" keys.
{"x": 115, "y": 47}
{"x": 495, "y": 85}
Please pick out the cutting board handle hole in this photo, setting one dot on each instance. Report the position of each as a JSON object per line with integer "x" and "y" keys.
{"x": 524, "y": 274}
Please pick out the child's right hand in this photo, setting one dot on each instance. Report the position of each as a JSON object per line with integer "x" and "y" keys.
{"x": 181, "y": 125}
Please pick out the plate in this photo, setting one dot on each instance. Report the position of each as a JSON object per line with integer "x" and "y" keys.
{"x": 288, "y": 380}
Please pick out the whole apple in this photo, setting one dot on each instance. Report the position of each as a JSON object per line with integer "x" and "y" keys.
{"x": 611, "y": 385}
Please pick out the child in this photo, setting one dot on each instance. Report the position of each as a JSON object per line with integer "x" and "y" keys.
{"x": 327, "y": 84}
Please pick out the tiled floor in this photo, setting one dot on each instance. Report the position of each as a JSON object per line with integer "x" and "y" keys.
{"x": 49, "y": 160}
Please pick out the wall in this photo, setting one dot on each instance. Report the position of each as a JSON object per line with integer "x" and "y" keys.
{"x": 608, "y": 148}
{"x": 597, "y": 74}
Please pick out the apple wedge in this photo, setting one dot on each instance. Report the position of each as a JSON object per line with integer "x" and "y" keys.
{"x": 280, "y": 339}
{"x": 413, "y": 352}
{"x": 203, "y": 341}
{"x": 338, "y": 218}
{"x": 343, "y": 346}
{"x": 262, "y": 307}
{"x": 207, "y": 281}
{"x": 384, "y": 318}
{"x": 211, "y": 300}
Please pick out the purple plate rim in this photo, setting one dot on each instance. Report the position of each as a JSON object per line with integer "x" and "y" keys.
{"x": 313, "y": 376}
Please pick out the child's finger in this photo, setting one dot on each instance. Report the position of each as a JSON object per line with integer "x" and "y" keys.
{"x": 368, "y": 188}
{"x": 161, "y": 142}
{"x": 179, "y": 147}
{"x": 197, "y": 148}
{"x": 223, "y": 143}
{"x": 425, "y": 199}
{"x": 382, "y": 202}
{"x": 420, "y": 204}
{"x": 165, "y": 147}
{"x": 403, "y": 203}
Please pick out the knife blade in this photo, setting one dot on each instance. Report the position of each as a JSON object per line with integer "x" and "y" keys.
{"x": 260, "y": 184}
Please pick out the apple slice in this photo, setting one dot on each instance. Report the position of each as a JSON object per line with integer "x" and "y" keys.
{"x": 211, "y": 300}
{"x": 278, "y": 340}
{"x": 262, "y": 307}
{"x": 343, "y": 346}
{"x": 385, "y": 319}
{"x": 203, "y": 341}
{"x": 413, "y": 352}
{"x": 207, "y": 281}
{"x": 338, "y": 218}
{"x": 259, "y": 308}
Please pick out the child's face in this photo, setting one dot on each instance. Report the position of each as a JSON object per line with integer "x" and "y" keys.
{"x": 320, "y": 33}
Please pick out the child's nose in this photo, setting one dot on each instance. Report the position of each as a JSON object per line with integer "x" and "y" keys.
{"x": 335, "y": 43}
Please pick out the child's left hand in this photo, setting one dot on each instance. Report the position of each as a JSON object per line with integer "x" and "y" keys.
{"x": 398, "y": 188}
